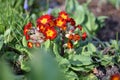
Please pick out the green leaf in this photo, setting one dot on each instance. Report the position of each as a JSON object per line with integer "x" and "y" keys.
{"x": 106, "y": 60}
{"x": 79, "y": 15}
{"x": 25, "y": 66}
{"x": 80, "y": 60}
{"x": 85, "y": 68}
{"x": 71, "y": 5}
{"x": 24, "y": 41}
{"x": 2, "y": 28}
{"x": 88, "y": 77}
{"x": 47, "y": 44}
{"x": 7, "y": 32}
{"x": 71, "y": 76}
{"x": 55, "y": 50}
{"x": 64, "y": 64}
{"x": 1, "y": 41}
{"x": 7, "y": 36}
{"x": 91, "y": 25}
{"x": 91, "y": 47}
{"x": 115, "y": 44}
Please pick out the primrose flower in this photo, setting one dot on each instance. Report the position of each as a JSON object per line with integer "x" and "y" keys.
{"x": 84, "y": 35}
{"x": 76, "y": 37}
{"x": 30, "y": 44}
{"x": 27, "y": 37}
{"x": 80, "y": 27}
{"x": 26, "y": 30}
{"x": 44, "y": 19}
{"x": 60, "y": 22}
{"x": 41, "y": 27}
{"x": 72, "y": 22}
{"x": 69, "y": 44}
{"x": 50, "y": 33}
{"x": 27, "y": 27}
{"x": 115, "y": 77}
{"x": 63, "y": 15}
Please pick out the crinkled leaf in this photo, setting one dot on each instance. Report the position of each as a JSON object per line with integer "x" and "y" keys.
{"x": 79, "y": 15}
{"x": 71, "y": 5}
{"x": 80, "y": 60}
{"x": 71, "y": 76}
{"x": 64, "y": 64}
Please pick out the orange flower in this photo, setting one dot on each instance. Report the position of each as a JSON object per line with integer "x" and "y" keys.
{"x": 44, "y": 19}
{"x": 37, "y": 44}
{"x": 70, "y": 37}
{"x": 76, "y": 37}
{"x": 84, "y": 35}
{"x": 64, "y": 28}
{"x": 69, "y": 44}
{"x": 60, "y": 22}
{"x": 115, "y": 77}
{"x": 63, "y": 15}
{"x": 50, "y": 33}
{"x": 30, "y": 44}
{"x": 26, "y": 28}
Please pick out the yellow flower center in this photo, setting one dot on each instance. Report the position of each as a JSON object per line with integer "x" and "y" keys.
{"x": 59, "y": 23}
{"x": 49, "y": 32}
{"x": 44, "y": 21}
{"x": 64, "y": 16}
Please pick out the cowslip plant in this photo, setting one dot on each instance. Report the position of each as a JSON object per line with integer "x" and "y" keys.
{"x": 53, "y": 28}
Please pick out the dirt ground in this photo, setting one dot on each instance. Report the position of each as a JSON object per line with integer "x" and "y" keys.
{"x": 112, "y": 23}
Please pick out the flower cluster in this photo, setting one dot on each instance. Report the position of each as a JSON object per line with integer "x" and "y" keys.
{"x": 48, "y": 27}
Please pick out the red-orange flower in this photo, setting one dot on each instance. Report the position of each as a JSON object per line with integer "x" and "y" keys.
{"x": 30, "y": 44}
{"x": 69, "y": 44}
{"x": 41, "y": 27}
{"x": 27, "y": 37}
{"x": 50, "y": 33}
{"x": 44, "y": 19}
{"x": 60, "y": 22}
{"x": 76, "y": 37}
{"x": 52, "y": 23}
{"x": 84, "y": 35}
{"x": 115, "y": 77}
{"x": 80, "y": 27}
{"x": 26, "y": 28}
{"x": 72, "y": 22}
{"x": 63, "y": 15}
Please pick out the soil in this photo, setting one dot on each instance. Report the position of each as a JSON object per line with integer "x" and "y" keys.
{"x": 112, "y": 23}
